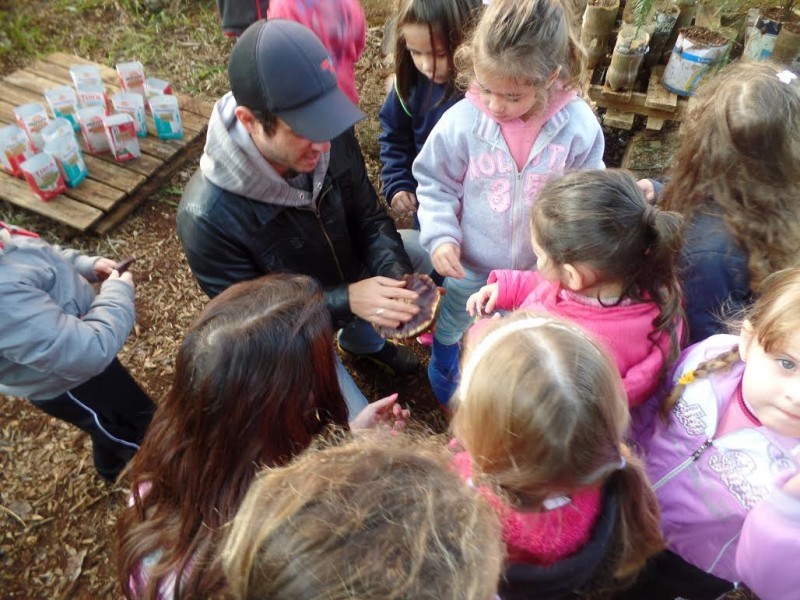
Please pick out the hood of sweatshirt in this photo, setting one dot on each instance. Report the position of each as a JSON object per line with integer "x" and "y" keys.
{"x": 232, "y": 162}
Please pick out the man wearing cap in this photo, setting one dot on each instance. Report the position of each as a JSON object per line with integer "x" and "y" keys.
{"x": 282, "y": 187}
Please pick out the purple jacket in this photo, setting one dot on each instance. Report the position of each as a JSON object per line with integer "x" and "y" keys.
{"x": 722, "y": 508}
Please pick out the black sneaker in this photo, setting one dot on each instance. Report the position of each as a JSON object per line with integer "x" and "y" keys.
{"x": 394, "y": 359}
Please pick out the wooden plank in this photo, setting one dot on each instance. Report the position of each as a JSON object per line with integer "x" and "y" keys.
{"x": 657, "y": 95}
{"x": 621, "y": 96}
{"x": 654, "y": 124}
{"x": 62, "y": 209}
{"x": 616, "y": 118}
{"x": 127, "y": 206}
{"x": 636, "y": 104}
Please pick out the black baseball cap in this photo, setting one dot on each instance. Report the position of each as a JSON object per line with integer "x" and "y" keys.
{"x": 280, "y": 66}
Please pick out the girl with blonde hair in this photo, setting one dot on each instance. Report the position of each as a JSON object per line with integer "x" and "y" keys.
{"x": 541, "y": 416}
{"x": 373, "y": 519}
{"x": 736, "y": 179}
{"x": 485, "y": 161}
{"x": 725, "y": 458}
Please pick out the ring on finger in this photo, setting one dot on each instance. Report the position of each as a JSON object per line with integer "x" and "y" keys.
{"x": 379, "y": 312}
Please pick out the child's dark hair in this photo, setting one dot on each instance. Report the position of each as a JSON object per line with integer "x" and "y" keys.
{"x": 447, "y": 18}
{"x": 601, "y": 218}
{"x": 741, "y": 158}
{"x": 772, "y": 319}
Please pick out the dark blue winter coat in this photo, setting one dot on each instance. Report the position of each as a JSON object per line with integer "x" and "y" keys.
{"x": 714, "y": 275}
{"x": 405, "y": 127}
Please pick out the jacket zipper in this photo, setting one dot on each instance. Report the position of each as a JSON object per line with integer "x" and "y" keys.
{"x": 692, "y": 458}
{"x": 515, "y": 210}
{"x": 316, "y": 212}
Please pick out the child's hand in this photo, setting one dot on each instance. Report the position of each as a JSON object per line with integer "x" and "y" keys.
{"x": 126, "y": 277}
{"x": 446, "y": 260}
{"x": 384, "y": 412}
{"x": 102, "y": 267}
{"x": 404, "y": 203}
{"x": 482, "y": 302}
{"x": 792, "y": 487}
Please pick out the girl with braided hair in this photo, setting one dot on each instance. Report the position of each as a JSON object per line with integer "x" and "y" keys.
{"x": 606, "y": 259}
{"x": 724, "y": 458}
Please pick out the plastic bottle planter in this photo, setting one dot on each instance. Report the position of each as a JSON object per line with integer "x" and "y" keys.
{"x": 627, "y": 57}
{"x": 697, "y": 52}
{"x": 665, "y": 20}
{"x": 598, "y": 22}
{"x": 787, "y": 45}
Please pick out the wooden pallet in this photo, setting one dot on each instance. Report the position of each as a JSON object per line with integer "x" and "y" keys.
{"x": 658, "y": 105}
{"x": 112, "y": 190}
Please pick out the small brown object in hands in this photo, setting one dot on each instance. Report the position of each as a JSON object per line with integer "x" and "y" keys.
{"x": 123, "y": 265}
{"x": 429, "y": 302}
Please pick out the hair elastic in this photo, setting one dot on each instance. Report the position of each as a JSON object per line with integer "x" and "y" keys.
{"x": 686, "y": 378}
{"x": 622, "y": 463}
{"x": 786, "y": 76}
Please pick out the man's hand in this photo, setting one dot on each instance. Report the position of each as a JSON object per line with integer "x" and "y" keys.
{"x": 382, "y": 301}
{"x": 404, "y": 203}
{"x": 446, "y": 260}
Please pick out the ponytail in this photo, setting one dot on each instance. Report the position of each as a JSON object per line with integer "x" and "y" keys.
{"x": 657, "y": 277}
{"x": 704, "y": 369}
{"x": 638, "y": 531}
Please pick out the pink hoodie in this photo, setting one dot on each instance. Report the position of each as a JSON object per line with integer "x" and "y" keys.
{"x": 339, "y": 24}
{"x": 622, "y": 329}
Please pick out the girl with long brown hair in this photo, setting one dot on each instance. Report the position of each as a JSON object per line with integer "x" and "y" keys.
{"x": 255, "y": 381}
{"x": 736, "y": 180}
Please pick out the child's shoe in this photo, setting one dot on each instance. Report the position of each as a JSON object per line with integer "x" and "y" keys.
{"x": 443, "y": 370}
{"x": 425, "y": 339}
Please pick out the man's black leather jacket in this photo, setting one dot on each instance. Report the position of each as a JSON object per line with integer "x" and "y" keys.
{"x": 346, "y": 237}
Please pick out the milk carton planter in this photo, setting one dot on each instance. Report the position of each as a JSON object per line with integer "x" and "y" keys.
{"x": 67, "y": 154}
{"x": 42, "y": 174}
{"x": 698, "y": 52}
{"x": 90, "y": 94}
{"x": 85, "y": 74}
{"x": 629, "y": 51}
{"x": 761, "y": 40}
{"x": 56, "y": 128}
{"x": 133, "y": 105}
{"x": 94, "y": 132}
{"x": 121, "y": 134}
{"x": 167, "y": 117}
{"x": 156, "y": 87}
{"x": 64, "y": 104}
{"x": 598, "y": 23}
{"x": 32, "y": 118}
{"x": 15, "y": 149}
{"x": 131, "y": 77}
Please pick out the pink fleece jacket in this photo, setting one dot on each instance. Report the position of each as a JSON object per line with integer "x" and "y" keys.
{"x": 341, "y": 27}
{"x": 622, "y": 329}
{"x": 541, "y": 538}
